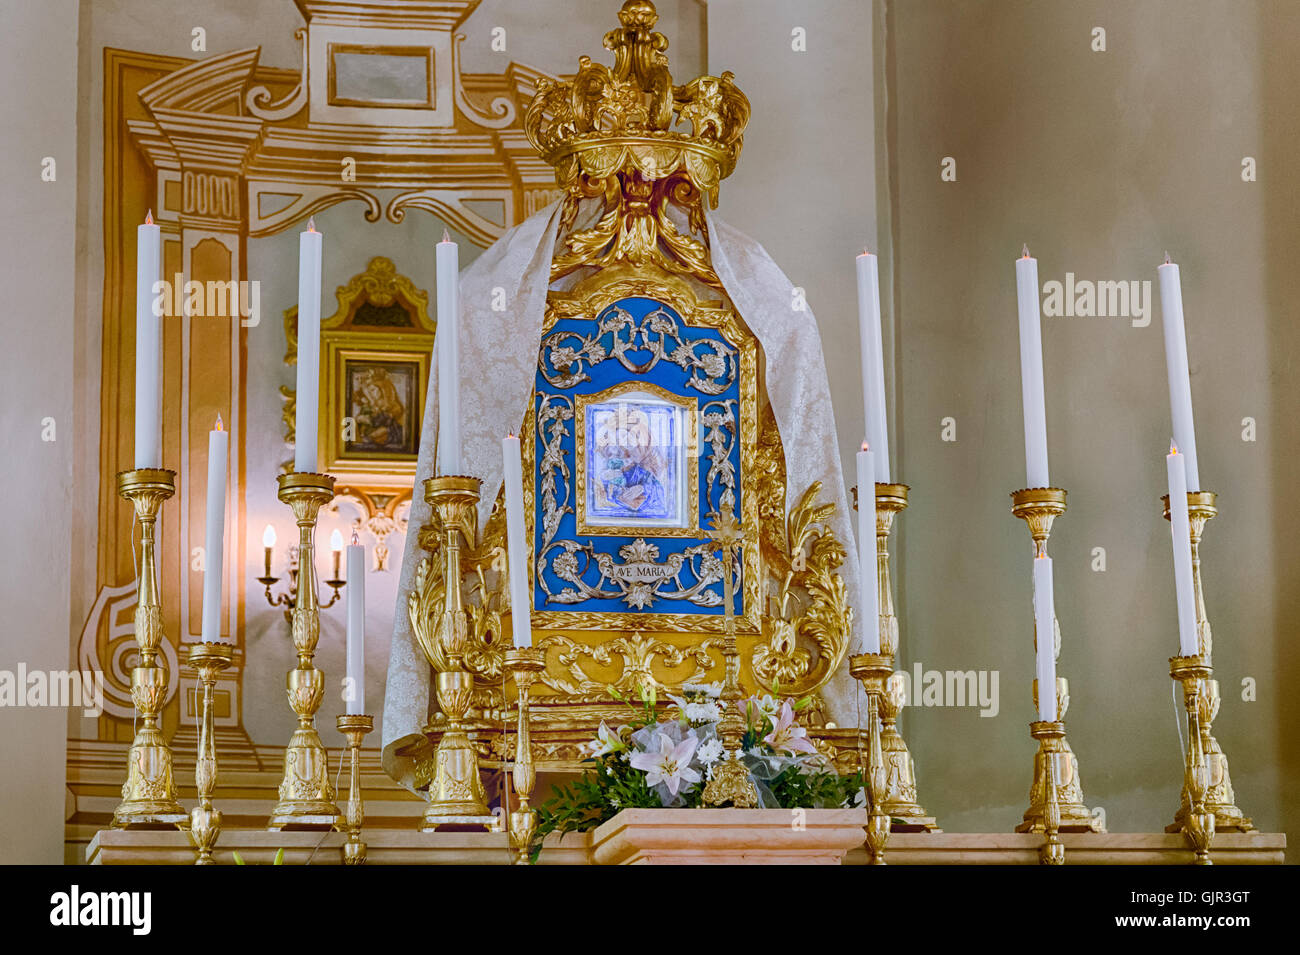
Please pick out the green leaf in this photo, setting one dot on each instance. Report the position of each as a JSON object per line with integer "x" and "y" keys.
{"x": 279, "y": 856}
{"x": 239, "y": 860}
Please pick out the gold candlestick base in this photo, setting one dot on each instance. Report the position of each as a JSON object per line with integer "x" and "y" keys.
{"x": 525, "y": 664}
{"x": 456, "y": 797}
{"x": 354, "y": 726}
{"x": 1039, "y": 507}
{"x": 306, "y": 793}
{"x": 1053, "y": 748}
{"x": 1199, "y": 821}
{"x": 1220, "y": 798}
{"x": 149, "y": 793}
{"x": 205, "y": 822}
{"x": 872, "y": 670}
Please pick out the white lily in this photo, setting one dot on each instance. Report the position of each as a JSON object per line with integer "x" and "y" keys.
{"x": 670, "y": 764}
{"x": 785, "y": 736}
{"x": 606, "y": 741}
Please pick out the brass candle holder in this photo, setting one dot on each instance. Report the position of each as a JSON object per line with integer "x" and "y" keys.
{"x": 354, "y": 726}
{"x": 456, "y": 796}
{"x": 525, "y": 665}
{"x": 149, "y": 793}
{"x": 1039, "y": 507}
{"x": 900, "y": 800}
{"x": 1052, "y": 851}
{"x": 1198, "y": 822}
{"x": 205, "y": 822}
{"x": 1220, "y": 798}
{"x": 872, "y": 670}
{"x": 730, "y": 782}
{"x": 306, "y": 794}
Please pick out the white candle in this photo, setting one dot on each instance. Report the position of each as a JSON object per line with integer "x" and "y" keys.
{"x": 448, "y": 348}
{"x": 268, "y": 544}
{"x": 148, "y": 346}
{"x": 306, "y": 403}
{"x": 356, "y": 591}
{"x": 1031, "y": 372}
{"x": 867, "y": 556}
{"x": 1045, "y": 639}
{"x": 214, "y": 543}
{"x": 873, "y": 363}
{"x": 336, "y": 545}
{"x": 516, "y": 546}
{"x": 1180, "y": 381}
{"x": 1181, "y": 532}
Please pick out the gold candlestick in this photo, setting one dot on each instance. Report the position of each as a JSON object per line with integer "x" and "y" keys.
{"x": 525, "y": 665}
{"x": 306, "y": 793}
{"x": 1198, "y": 822}
{"x": 1038, "y": 507}
{"x": 354, "y": 726}
{"x": 1052, "y": 851}
{"x": 872, "y": 670}
{"x": 456, "y": 794}
{"x": 900, "y": 803}
{"x": 149, "y": 794}
{"x": 730, "y": 782}
{"x": 205, "y": 822}
{"x": 1220, "y": 798}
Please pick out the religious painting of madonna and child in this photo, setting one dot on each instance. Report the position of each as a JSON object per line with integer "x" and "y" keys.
{"x": 379, "y": 397}
{"x": 637, "y": 465}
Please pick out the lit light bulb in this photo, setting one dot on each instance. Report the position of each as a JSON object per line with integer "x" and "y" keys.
{"x": 268, "y": 536}
{"x": 336, "y": 540}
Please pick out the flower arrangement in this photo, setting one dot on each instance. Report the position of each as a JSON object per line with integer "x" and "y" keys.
{"x": 655, "y": 761}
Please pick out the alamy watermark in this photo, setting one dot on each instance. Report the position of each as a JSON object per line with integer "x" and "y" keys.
{"x": 210, "y": 299}
{"x": 1084, "y": 298}
{"x": 977, "y": 688}
{"x": 60, "y": 688}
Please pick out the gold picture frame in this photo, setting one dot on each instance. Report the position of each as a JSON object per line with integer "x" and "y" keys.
{"x": 382, "y": 324}
{"x": 687, "y": 471}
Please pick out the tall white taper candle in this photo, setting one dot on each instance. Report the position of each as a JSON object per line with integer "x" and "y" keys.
{"x": 867, "y": 554}
{"x": 516, "y": 545}
{"x": 1045, "y": 639}
{"x": 148, "y": 346}
{"x": 448, "y": 348}
{"x": 1180, "y": 531}
{"x": 1031, "y": 372}
{"x": 307, "y": 402}
{"x": 356, "y": 591}
{"x": 873, "y": 363}
{"x": 214, "y": 541}
{"x": 1180, "y": 381}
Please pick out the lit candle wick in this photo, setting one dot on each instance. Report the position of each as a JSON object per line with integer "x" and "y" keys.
{"x": 148, "y": 219}
{"x": 220, "y": 425}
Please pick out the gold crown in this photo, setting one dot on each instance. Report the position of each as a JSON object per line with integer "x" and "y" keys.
{"x": 608, "y": 120}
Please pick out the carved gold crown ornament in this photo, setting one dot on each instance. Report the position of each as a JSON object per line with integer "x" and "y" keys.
{"x": 620, "y": 133}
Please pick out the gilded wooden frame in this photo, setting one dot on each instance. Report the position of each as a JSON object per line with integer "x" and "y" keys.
{"x": 691, "y": 463}
{"x": 587, "y": 299}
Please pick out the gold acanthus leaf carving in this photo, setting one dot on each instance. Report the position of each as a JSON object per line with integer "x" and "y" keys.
{"x": 637, "y": 652}
{"x": 483, "y": 577}
{"x": 801, "y": 558}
